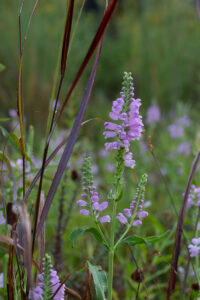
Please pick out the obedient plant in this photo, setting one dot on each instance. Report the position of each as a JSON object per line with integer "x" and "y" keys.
{"x": 48, "y": 284}
{"x": 126, "y": 126}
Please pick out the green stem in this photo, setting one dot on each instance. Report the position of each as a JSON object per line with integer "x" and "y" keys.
{"x": 111, "y": 252}
{"x": 122, "y": 236}
{"x": 101, "y": 233}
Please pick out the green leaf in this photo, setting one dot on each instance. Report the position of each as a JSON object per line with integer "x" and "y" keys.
{"x": 2, "y": 67}
{"x": 11, "y": 138}
{"x": 14, "y": 142}
{"x": 80, "y": 231}
{"x": 135, "y": 240}
{"x": 100, "y": 280}
{"x": 4, "y": 119}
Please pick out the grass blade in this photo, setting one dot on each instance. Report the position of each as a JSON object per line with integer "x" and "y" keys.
{"x": 69, "y": 147}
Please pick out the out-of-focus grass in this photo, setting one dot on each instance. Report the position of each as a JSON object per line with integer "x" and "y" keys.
{"x": 159, "y": 43}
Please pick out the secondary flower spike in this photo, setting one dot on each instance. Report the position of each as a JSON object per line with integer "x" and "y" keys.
{"x": 135, "y": 213}
{"x": 90, "y": 203}
{"x": 127, "y": 125}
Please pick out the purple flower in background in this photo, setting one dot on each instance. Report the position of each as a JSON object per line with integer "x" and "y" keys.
{"x": 193, "y": 197}
{"x": 175, "y": 130}
{"x": 184, "y": 148}
{"x": 2, "y": 219}
{"x": 12, "y": 113}
{"x": 128, "y": 123}
{"x": 1, "y": 280}
{"x": 153, "y": 114}
{"x": 194, "y": 247}
{"x": 184, "y": 121}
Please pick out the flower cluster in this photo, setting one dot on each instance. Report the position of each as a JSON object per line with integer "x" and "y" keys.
{"x": 153, "y": 114}
{"x": 128, "y": 212}
{"x": 135, "y": 214}
{"x": 175, "y": 130}
{"x": 90, "y": 197}
{"x": 193, "y": 197}
{"x": 184, "y": 148}
{"x": 125, "y": 110}
{"x": 48, "y": 284}
{"x": 194, "y": 247}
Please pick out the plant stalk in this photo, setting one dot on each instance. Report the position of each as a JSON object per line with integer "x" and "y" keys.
{"x": 111, "y": 252}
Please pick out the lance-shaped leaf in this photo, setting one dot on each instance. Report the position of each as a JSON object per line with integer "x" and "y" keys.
{"x": 136, "y": 240}
{"x": 100, "y": 280}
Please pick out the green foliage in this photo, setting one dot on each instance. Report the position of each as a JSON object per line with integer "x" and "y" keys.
{"x": 80, "y": 231}
{"x": 2, "y": 67}
{"x": 100, "y": 280}
{"x": 136, "y": 240}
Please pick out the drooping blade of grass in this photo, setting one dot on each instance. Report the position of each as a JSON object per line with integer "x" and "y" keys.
{"x": 69, "y": 147}
{"x": 99, "y": 34}
{"x": 66, "y": 37}
{"x": 26, "y": 230}
{"x": 179, "y": 230}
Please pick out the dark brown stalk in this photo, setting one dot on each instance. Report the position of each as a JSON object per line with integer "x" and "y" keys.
{"x": 179, "y": 230}
{"x": 189, "y": 259}
{"x": 66, "y": 37}
{"x": 21, "y": 89}
{"x": 87, "y": 290}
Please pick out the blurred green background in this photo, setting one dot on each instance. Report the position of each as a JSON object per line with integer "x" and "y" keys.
{"x": 158, "y": 41}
